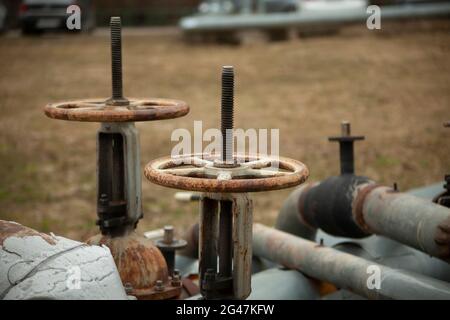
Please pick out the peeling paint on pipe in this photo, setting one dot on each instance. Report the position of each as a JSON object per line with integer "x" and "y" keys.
{"x": 34, "y": 265}
{"x": 355, "y": 207}
{"x": 410, "y": 220}
{"x": 343, "y": 270}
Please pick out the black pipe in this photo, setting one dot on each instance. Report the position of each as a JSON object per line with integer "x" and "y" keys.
{"x": 328, "y": 206}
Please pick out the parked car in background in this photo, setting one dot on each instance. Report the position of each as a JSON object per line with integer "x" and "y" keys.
{"x": 2, "y": 16}
{"x": 277, "y": 6}
{"x": 37, "y": 16}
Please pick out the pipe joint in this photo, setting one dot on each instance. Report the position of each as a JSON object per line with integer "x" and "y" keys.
{"x": 329, "y": 206}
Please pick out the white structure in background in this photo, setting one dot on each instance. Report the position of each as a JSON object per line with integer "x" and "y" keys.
{"x": 221, "y": 7}
{"x": 332, "y": 5}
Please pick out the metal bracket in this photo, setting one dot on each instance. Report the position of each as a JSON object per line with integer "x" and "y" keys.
{"x": 119, "y": 204}
{"x": 225, "y": 245}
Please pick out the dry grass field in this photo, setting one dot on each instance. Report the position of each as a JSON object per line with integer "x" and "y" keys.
{"x": 393, "y": 85}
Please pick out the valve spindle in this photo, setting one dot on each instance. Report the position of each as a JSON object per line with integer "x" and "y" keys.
{"x": 227, "y": 113}
{"x": 116, "y": 61}
{"x": 346, "y": 148}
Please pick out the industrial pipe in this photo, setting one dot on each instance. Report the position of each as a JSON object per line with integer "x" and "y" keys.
{"x": 282, "y": 284}
{"x": 355, "y": 207}
{"x": 375, "y": 248}
{"x": 344, "y": 270}
{"x": 328, "y": 206}
{"x": 410, "y": 220}
{"x": 288, "y": 219}
{"x": 389, "y": 253}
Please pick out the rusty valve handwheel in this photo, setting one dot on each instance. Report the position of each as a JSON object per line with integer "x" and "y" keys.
{"x": 201, "y": 173}
{"x": 98, "y": 110}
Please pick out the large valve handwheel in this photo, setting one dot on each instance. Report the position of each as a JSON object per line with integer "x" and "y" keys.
{"x": 98, "y": 110}
{"x": 201, "y": 173}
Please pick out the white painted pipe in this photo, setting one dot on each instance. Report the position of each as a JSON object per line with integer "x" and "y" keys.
{"x": 34, "y": 265}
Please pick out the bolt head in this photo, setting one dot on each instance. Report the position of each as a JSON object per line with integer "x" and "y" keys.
{"x": 176, "y": 281}
{"x": 159, "y": 286}
{"x": 128, "y": 287}
{"x": 345, "y": 128}
{"x": 168, "y": 234}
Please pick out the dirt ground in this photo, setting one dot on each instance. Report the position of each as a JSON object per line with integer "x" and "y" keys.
{"x": 393, "y": 85}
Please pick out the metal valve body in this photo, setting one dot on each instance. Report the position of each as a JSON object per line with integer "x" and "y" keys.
{"x": 141, "y": 265}
{"x": 226, "y": 211}
{"x": 119, "y": 204}
{"x": 225, "y": 251}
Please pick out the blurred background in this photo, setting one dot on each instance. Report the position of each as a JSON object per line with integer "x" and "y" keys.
{"x": 301, "y": 66}
{"x": 133, "y": 12}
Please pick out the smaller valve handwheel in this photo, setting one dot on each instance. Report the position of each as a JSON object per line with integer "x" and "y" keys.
{"x": 98, "y": 110}
{"x": 202, "y": 173}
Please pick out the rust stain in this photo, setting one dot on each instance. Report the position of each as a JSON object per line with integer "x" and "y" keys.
{"x": 191, "y": 288}
{"x": 140, "y": 264}
{"x": 12, "y": 229}
{"x": 324, "y": 287}
{"x": 169, "y": 292}
{"x": 358, "y": 206}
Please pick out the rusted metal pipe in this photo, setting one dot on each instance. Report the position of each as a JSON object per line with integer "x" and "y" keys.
{"x": 355, "y": 207}
{"x": 405, "y": 218}
{"x": 344, "y": 270}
